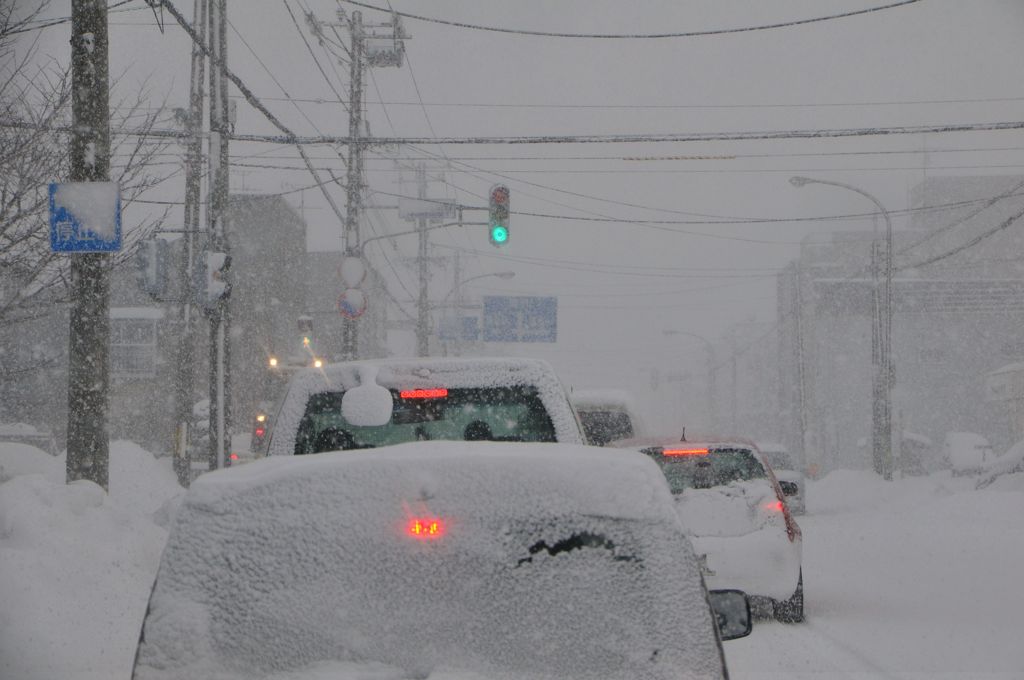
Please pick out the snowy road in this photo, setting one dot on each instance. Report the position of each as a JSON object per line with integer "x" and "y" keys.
{"x": 916, "y": 579}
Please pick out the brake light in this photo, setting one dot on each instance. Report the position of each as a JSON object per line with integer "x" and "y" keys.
{"x": 434, "y": 393}
{"x": 234, "y": 456}
{"x": 684, "y": 452}
{"x": 425, "y": 528}
{"x": 773, "y": 506}
{"x": 260, "y": 431}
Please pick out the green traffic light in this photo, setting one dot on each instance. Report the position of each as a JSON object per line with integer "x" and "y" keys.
{"x": 499, "y": 233}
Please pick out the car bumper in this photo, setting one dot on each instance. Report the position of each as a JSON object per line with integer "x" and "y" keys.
{"x": 764, "y": 562}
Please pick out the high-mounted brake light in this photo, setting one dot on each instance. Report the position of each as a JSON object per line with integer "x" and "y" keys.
{"x": 434, "y": 393}
{"x": 684, "y": 452}
{"x": 425, "y": 527}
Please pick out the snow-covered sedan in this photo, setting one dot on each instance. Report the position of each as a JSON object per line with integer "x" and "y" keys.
{"x": 436, "y": 560}
{"x": 737, "y": 517}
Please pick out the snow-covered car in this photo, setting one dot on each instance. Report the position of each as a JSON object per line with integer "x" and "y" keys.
{"x": 435, "y": 560}
{"x": 607, "y": 415}
{"x": 789, "y": 475}
{"x": 364, "y": 404}
{"x": 736, "y": 514}
{"x": 966, "y": 453}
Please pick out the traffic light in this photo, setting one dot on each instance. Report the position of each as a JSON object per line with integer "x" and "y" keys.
{"x": 151, "y": 263}
{"x": 498, "y": 223}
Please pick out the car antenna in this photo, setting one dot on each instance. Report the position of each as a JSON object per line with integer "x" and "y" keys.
{"x": 683, "y": 438}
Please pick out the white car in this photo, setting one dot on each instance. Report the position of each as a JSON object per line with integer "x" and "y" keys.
{"x": 789, "y": 475}
{"x": 369, "y": 404}
{"x": 435, "y": 560}
{"x": 738, "y": 520}
{"x": 607, "y": 415}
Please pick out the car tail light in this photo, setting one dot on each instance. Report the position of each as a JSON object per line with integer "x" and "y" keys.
{"x": 260, "y": 431}
{"x": 425, "y": 528}
{"x": 773, "y": 506}
{"x": 234, "y": 456}
{"x": 684, "y": 452}
{"x": 434, "y": 393}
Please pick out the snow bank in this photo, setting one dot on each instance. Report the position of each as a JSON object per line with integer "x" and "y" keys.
{"x": 76, "y": 564}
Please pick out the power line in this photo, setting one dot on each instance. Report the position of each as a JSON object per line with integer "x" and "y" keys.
{"x": 621, "y": 36}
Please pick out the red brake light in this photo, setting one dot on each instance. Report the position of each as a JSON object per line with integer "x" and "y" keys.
{"x": 425, "y": 527}
{"x": 234, "y": 456}
{"x": 774, "y": 506}
{"x": 433, "y": 393}
{"x": 684, "y": 452}
{"x": 260, "y": 431}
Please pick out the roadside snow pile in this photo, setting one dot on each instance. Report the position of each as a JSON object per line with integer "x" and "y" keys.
{"x": 25, "y": 459}
{"x": 76, "y": 564}
{"x": 1010, "y": 465}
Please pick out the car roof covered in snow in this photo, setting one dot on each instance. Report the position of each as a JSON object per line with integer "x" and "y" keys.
{"x": 422, "y": 374}
{"x": 549, "y": 560}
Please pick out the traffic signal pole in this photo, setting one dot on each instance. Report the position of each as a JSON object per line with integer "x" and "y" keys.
{"x": 184, "y": 374}
{"x": 423, "y": 303}
{"x": 88, "y": 441}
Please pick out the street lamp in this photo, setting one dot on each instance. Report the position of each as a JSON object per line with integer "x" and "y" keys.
{"x": 881, "y": 337}
{"x": 709, "y": 347}
{"x": 459, "y": 286}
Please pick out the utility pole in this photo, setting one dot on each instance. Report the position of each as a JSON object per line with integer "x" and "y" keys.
{"x": 184, "y": 376}
{"x": 220, "y": 317}
{"x": 89, "y": 332}
{"x": 353, "y": 190}
{"x": 423, "y": 303}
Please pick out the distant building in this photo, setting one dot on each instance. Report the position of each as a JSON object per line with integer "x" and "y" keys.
{"x": 958, "y": 307}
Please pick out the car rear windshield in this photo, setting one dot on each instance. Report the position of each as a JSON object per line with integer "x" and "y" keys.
{"x": 479, "y": 413}
{"x": 602, "y": 427}
{"x": 716, "y": 468}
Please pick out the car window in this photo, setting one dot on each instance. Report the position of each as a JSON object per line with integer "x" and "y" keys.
{"x": 461, "y": 414}
{"x": 716, "y": 468}
{"x": 606, "y": 426}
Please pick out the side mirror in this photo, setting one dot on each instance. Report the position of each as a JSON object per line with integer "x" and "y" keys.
{"x": 369, "y": 404}
{"x": 732, "y": 613}
{"x": 789, "y": 488}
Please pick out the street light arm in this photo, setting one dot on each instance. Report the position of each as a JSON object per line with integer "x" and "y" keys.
{"x": 500, "y": 275}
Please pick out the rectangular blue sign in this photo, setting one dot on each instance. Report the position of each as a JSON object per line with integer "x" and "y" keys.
{"x": 85, "y": 217}
{"x": 520, "y": 318}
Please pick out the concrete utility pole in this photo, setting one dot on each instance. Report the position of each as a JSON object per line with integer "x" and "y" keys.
{"x": 184, "y": 375}
{"x": 89, "y": 333}
{"x": 423, "y": 303}
{"x": 220, "y": 316}
{"x": 353, "y": 189}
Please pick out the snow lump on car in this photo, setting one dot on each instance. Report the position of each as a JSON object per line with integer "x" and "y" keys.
{"x": 431, "y": 560}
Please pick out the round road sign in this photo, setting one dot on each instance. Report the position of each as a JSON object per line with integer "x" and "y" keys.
{"x": 352, "y": 303}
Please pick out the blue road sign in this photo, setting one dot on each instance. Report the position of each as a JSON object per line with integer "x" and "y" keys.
{"x": 85, "y": 217}
{"x": 520, "y": 319}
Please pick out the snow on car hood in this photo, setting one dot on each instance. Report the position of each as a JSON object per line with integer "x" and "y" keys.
{"x": 554, "y": 560}
{"x": 732, "y": 509}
